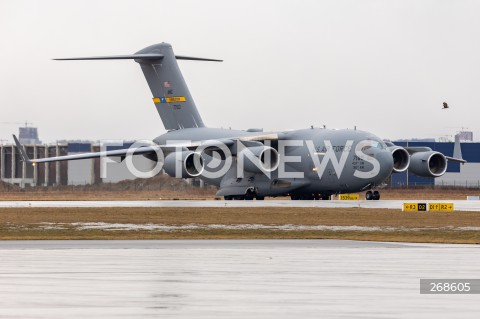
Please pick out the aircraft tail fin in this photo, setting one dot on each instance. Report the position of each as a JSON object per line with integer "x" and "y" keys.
{"x": 171, "y": 96}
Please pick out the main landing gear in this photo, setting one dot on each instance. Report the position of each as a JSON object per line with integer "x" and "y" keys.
{"x": 375, "y": 195}
{"x": 310, "y": 197}
{"x": 243, "y": 197}
{"x": 249, "y": 195}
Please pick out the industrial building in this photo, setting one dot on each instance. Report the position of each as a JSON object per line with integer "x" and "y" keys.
{"x": 81, "y": 172}
{"x": 28, "y": 135}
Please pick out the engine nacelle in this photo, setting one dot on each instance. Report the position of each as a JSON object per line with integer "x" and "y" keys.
{"x": 184, "y": 163}
{"x": 401, "y": 158}
{"x": 259, "y": 159}
{"x": 428, "y": 164}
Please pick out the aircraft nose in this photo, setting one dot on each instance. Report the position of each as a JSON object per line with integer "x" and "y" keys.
{"x": 385, "y": 164}
{"x": 385, "y": 158}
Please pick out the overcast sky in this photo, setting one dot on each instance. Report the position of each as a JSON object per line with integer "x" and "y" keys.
{"x": 384, "y": 66}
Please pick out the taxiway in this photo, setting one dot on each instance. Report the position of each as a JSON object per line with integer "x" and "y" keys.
{"x": 461, "y": 205}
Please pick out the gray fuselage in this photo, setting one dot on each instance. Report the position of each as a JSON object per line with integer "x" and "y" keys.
{"x": 312, "y": 161}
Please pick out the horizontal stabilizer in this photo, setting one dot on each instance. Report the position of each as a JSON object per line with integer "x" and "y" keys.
{"x": 182, "y": 57}
{"x": 146, "y": 56}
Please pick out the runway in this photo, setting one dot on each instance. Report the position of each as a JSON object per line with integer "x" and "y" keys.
{"x": 463, "y": 205}
{"x": 231, "y": 279}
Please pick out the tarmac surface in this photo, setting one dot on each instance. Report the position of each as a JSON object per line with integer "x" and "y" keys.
{"x": 232, "y": 279}
{"x": 463, "y": 205}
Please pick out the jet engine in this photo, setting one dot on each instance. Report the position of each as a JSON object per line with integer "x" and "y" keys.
{"x": 401, "y": 159}
{"x": 184, "y": 164}
{"x": 428, "y": 164}
{"x": 259, "y": 159}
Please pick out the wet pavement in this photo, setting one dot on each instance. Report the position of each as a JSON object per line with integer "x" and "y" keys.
{"x": 232, "y": 278}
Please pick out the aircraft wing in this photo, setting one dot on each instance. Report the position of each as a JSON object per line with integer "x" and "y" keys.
{"x": 113, "y": 153}
{"x": 412, "y": 150}
{"x": 229, "y": 141}
{"x": 143, "y": 150}
{"x": 415, "y": 149}
{"x": 453, "y": 159}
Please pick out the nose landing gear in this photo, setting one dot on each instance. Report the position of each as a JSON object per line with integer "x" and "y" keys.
{"x": 375, "y": 195}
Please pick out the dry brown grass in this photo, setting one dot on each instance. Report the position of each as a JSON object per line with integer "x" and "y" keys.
{"x": 23, "y": 219}
{"x": 250, "y": 215}
{"x": 422, "y": 236}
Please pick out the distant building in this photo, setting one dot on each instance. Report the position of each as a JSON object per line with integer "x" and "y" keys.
{"x": 28, "y": 135}
{"x": 465, "y": 136}
{"x": 13, "y": 170}
{"x": 427, "y": 140}
{"x": 79, "y": 172}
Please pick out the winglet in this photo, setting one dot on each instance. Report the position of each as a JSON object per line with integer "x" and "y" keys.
{"x": 21, "y": 150}
{"x": 457, "y": 149}
{"x": 457, "y": 152}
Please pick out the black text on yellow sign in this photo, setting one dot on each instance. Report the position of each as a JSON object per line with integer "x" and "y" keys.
{"x": 431, "y": 207}
{"x": 349, "y": 197}
{"x": 414, "y": 207}
{"x": 440, "y": 207}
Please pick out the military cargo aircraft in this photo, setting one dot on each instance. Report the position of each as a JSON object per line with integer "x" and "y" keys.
{"x": 306, "y": 164}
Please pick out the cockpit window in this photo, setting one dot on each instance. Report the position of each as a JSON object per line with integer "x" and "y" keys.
{"x": 375, "y": 144}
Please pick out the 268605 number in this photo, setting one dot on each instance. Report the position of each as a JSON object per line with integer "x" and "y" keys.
{"x": 450, "y": 286}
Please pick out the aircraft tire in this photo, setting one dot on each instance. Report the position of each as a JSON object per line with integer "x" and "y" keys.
{"x": 376, "y": 195}
{"x": 228, "y": 197}
{"x": 249, "y": 195}
{"x": 369, "y": 195}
